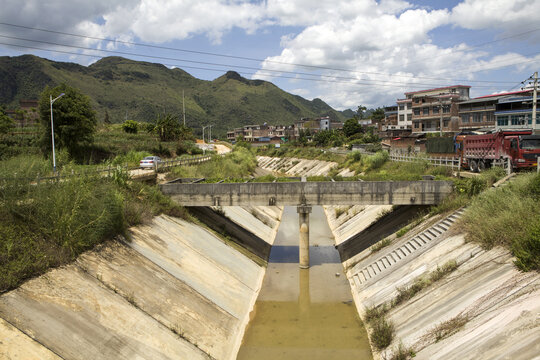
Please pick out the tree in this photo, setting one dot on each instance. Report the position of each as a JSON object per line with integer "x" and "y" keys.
{"x": 74, "y": 119}
{"x": 6, "y": 123}
{"x": 168, "y": 127}
{"x": 377, "y": 115}
{"x": 360, "y": 111}
{"x": 351, "y": 127}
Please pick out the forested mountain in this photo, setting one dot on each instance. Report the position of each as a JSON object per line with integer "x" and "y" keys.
{"x": 139, "y": 91}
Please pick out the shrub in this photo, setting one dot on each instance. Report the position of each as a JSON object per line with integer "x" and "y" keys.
{"x": 130, "y": 126}
{"x": 132, "y": 158}
{"x": 449, "y": 327}
{"x": 527, "y": 250}
{"x": 402, "y": 353}
{"x": 504, "y": 216}
{"x": 382, "y": 333}
{"x": 376, "y": 161}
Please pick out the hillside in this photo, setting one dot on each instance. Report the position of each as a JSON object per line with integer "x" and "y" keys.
{"x": 142, "y": 90}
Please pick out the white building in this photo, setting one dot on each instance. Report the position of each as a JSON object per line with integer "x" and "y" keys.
{"x": 404, "y": 113}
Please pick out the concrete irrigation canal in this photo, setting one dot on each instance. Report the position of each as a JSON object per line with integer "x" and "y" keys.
{"x": 228, "y": 285}
{"x": 305, "y": 313}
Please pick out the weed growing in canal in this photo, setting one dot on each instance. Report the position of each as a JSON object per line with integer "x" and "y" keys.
{"x": 382, "y": 330}
{"x": 382, "y": 333}
{"x": 339, "y": 210}
{"x": 448, "y": 328}
{"x": 423, "y": 282}
{"x": 402, "y": 353}
{"x": 381, "y": 244}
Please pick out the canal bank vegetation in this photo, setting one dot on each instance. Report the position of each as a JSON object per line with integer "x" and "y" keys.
{"x": 382, "y": 331}
{"x": 508, "y": 216}
{"x": 234, "y": 167}
{"x": 50, "y": 224}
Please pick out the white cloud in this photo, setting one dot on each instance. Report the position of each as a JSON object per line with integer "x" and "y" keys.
{"x": 482, "y": 14}
{"x": 380, "y": 41}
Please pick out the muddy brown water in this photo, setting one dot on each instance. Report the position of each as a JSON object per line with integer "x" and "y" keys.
{"x": 305, "y": 313}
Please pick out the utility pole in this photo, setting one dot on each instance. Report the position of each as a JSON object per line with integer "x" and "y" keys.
{"x": 534, "y": 102}
{"x": 184, "y": 107}
{"x": 441, "y": 111}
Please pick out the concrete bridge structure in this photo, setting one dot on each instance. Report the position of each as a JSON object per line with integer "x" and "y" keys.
{"x": 306, "y": 194}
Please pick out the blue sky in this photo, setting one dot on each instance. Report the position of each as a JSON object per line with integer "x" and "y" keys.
{"x": 345, "y": 52}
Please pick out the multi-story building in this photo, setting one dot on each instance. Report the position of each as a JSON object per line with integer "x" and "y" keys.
{"x": 515, "y": 112}
{"x": 497, "y": 111}
{"x": 390, "y": 121}
{"x": 436, "y": 108}
{"x": 234, "y": 134}
{"x": 404, "y": 113}
{"x": 316, "y": 125}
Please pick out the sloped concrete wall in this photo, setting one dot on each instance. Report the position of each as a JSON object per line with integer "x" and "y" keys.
{"x": 500, "y": 303}
{"x": 299, "y": 167}
{"x": 174, "y": 291}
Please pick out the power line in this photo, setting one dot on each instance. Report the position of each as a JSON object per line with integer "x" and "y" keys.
{"x": 238, "y": 66}
{"x": 263, "y": 60}
{"x": 479, "y": 45}
{"x": 351, "y": 82}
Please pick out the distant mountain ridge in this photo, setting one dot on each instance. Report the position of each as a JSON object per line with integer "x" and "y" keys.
{"x": 141, "y": 90}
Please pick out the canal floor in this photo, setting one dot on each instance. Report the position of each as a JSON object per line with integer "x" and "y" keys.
{"x": 305, "y": 313}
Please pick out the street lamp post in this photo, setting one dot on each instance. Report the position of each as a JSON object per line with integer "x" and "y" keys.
{"x": 210, "y": 134}
{"x": 52, "y": 130}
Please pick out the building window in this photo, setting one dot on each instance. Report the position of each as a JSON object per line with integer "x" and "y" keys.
{"x": 490, "y": 117}
{"x": 476, "y": 117}
{"x": 417, "y": 124}
{"x": 401, "y": 117}
{"x": 425, "y": 111}
{"x": 446, "y": 109}
{"x": 416, "y": 111}
{"x": 445, "y": 123}
{"x": 435, "y": 110}
{"x": 502, "y": 120}
{"x": 401, "y": 107}
{"x": 464, "y": 119}
{"x": 517, "y": 120}
{"x": 416, "y": 100}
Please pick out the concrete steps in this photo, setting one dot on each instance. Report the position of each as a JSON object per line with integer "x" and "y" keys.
{"x": 417, "y": 243}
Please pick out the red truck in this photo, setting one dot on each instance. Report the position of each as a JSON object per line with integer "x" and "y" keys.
{"x": 478, "y": 152}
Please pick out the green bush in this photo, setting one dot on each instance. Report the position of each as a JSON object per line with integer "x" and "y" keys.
{"x": 132, "y": 158}
{"x": 382, "y": 333}
{"x": 527, "y": 250}
{"x": 504, "y": 216}
{"x": 130, "y": 126}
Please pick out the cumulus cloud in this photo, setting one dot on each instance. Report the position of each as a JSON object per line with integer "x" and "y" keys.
{"x": 383, "y": 43}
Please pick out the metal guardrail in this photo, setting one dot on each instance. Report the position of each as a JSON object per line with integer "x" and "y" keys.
{"x": 451, "y": 162}
{"x": 109, "y": 170}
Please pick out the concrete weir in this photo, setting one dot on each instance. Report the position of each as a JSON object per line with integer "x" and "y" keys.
{"x": 175, "y": 290}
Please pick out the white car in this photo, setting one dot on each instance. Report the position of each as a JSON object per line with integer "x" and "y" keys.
{"x": 149, "y": 162}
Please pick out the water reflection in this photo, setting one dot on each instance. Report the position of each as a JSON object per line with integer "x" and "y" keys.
{"x": 305, "y": 313}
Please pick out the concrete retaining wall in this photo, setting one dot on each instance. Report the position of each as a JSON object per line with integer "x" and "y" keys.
{"x": 500, "y": 303}
{"x": 299, "y": 167}
{"x": 174, "y": 291}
